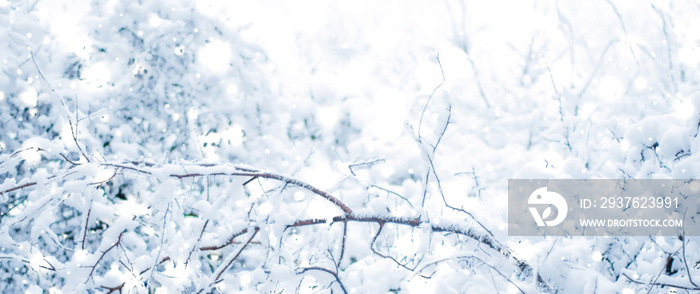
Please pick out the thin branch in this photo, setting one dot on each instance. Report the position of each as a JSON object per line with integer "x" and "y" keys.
{"x": 528, "y": 59}
{"x": 463, "y": 45}
{"x": 87, "y": 222}
{"x": 657, "y": 276}
{"x": 480, "y": 234}
{"x": 474, "y": 258}
{"x": 474, "y": 177}
{"x": 308, "y": 222}
{"x": 473, "y": 233}
{"x": 228, "y": 242}
{"x": 659, "y": 284}
{"x": 51, "y": 268}
{"x": 342, "y": 244}
{"x": 103, "y": 255}
{"x": 74, "y": 131}
{"x": 128, "y": 167}
{"x": 100, "y": 183}
{"x": 425, "y": 108}
{"x": 222, "y": 269}
{"x": 394, "y": 193}
{"x": 444, "y": 199}
{"x": 248, "y": 181}
{"x": 66, "y": 158}
{"x": 444, "y": 129}
{"x": 374, "y": 241}
{"x": 685, "y": 257}
{"x": 31, "y": 52}
{"x": 364, "y": 163}
{"x": 160, "y": 262}
{"x": 288, "y": 180}
{"x": 597, "y": 68}
{"x": 160, "y": 250}
{"x": 112, "y": 289}
{"x": 18, "y": 187}
{"x": 335, "y": 275}
{"x": 129, "y": 267}
{"x": 624, "y": 29}
{"x": 554, "y": 84}
{"x": 425, "y": 189}
{"x": 432, "y": 169}
{"x": 236, "y": 171}
{"x": 204, "y": 227}
{"x": 668, "y": 46}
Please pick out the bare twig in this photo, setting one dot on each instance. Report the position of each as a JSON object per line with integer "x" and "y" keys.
{"x": 164, "y": 259}
{"x": 444, "y": 129}
{"x": 654, "y": 283}
{"x": 335, "y": 275}
{"x": 342, "y": 244}
{"x": 66, "y": 159}
{"x": 92, "y": 271}
{"x": 394, "y": 193}
{"x": 624, "y": 28}
{"x": 364, "y": 163}
{"x": 472, "y": 258}
{"x": 554, "y": 84}
{"x": 228, "y": 242}
{"x": 444, "y": 199}
{"x": 204, "y": 227}
{"x": 222, "y": 269}
{"x": 243, "y": 172}
{"x": 87, "y": 222}
{"x": 267, "y": 175}
{"x": 425, "y": 108}
{"x": 595, "y": 71}
{"x": 482, "y": 237}
{"x": 474, "y": 177}
{"x": 162, "y": 238}
{"x": 51, "y": 268}
{"x": 250, "y": 180}
{"x": 74, "y": 131}
{"x": 481, "y": 234}
{"x": 308, "y": 222}
{"x": 425, "y": 189}
{"x": 665, "y": 27}
{"x": 113, "y": 289}
{"x": 478, "y": 233}
{"x": 374, "y": 241}
{"x": 100, "y": 183}
{"x": 685, "y": 257}
{"x": 18, "y": 187}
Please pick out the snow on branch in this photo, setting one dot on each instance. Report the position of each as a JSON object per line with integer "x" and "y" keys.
{"x": 160, "y": 173}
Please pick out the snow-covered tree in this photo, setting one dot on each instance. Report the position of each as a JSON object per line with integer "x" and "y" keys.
{"x": 355, "y": 147}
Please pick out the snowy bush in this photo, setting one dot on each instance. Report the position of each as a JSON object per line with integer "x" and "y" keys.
{"x": 207, "y": 147}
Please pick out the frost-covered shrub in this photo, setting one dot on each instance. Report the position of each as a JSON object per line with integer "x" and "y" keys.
{"x": 170, "y": 146}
